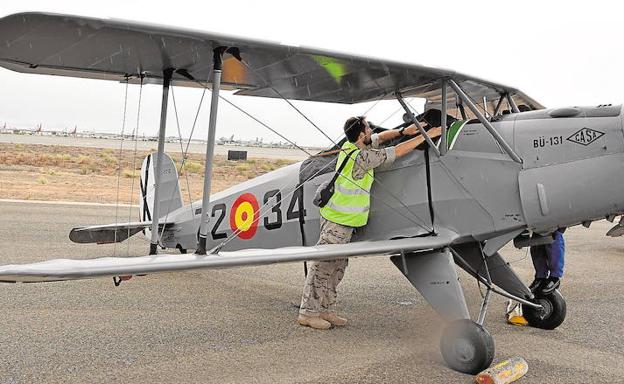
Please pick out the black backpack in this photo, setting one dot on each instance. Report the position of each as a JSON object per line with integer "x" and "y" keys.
{"x": 326, "y": 190}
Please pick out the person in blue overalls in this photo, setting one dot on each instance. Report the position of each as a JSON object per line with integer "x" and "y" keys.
{"x": 549, "y": 261}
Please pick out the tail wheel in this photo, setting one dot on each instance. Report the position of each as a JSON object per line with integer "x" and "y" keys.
{"x": 552, "y": 314}
{"x": 467, "y": 347}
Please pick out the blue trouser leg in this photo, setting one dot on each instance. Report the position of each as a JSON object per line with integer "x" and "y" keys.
{"x": 556, "y": 256}
{"x": 539, "y": 254}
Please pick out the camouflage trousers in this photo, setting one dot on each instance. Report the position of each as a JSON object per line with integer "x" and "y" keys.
{"x": 319, "y": 291}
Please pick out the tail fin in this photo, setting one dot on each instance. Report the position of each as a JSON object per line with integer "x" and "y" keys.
{"x": 169, "y": 196}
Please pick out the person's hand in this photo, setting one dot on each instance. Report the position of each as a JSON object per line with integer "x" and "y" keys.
{"x": 411, "y": 130}
{"x": 435, "y": 132}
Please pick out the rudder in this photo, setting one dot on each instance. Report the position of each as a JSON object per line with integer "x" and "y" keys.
{"x": 170, "y": 197}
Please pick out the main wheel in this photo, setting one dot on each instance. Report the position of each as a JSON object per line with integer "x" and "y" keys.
{"x": 467, "y": 347}
{"x": 551, "y": 316}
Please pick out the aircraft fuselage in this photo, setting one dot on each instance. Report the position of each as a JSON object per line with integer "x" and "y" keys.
{"x": 572, "y": 172}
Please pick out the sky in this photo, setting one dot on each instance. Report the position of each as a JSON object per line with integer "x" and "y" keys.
{"x": 559, "y": 53}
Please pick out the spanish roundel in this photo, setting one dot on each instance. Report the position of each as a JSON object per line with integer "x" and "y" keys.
{"x": 244, "y": 216}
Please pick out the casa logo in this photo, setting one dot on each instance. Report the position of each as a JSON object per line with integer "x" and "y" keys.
{"x": 585, "y": 136}
{"x": 244, "y": 216}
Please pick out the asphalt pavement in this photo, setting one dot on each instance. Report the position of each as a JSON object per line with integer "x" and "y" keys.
{"x": 238, "y": 325}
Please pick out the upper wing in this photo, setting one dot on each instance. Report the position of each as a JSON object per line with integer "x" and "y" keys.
{"x": 113, "y": 49}
{"x": 63, "y": 269}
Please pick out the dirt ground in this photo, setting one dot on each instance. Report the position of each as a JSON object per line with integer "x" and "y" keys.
{"x": 61, "y": 173}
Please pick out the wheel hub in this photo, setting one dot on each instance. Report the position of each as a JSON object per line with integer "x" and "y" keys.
{"x": 547, "y": 308}
{"x": 464, "y": 350}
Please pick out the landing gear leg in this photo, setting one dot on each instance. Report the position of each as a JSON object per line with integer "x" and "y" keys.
{"x": 466, "y": 345}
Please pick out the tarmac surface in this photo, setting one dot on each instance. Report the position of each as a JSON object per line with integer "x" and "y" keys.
{"x": 238, "y": 325}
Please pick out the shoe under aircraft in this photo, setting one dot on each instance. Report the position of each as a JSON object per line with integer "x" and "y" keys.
{"x": 506, "y": 170}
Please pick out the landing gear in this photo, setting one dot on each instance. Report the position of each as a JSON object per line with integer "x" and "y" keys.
{"x": 551, "y": 315}
{"x": 467, "y": 347}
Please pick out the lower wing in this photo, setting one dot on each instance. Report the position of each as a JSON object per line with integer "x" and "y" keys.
{"x": 64, "y": 269}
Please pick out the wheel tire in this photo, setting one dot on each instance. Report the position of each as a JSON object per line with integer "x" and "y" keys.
{"x": 551, "y": 316}
{"x": 467, "y": 347}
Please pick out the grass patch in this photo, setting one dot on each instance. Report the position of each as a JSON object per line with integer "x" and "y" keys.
{"x": 82, "y": 159}
{"x": 94, "y": 168}
{"x": 267, "y": 167}
{"x": 48, "y": 159}
{"x": 62, "y": 156}
{"x": 282, "y": 163}
{"x": 192, "y": 167}
{"x": 130, "y": 174}
{"x": 243, "y": 167}
{"x": 108, "y": 158}
{"x": 45, "y": 159}
{"x": 85, "y": 174}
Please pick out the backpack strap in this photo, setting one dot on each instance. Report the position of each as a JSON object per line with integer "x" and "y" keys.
{"x": 344, "y": 162}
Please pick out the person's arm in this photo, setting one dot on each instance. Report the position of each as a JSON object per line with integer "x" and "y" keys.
{"x": 394, "y": 133}
{"x": 408, "y": 146}
{"x": 372, "y": 158}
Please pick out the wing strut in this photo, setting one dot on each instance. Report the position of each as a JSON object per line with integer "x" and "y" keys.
{"x": 499, "y": 139}
{"x": 167, "y": 74}
{"x": 512, "y": 104}
{"x": 417, "y": 124}
{"x": 212, "y": 127}
{"x": 443, "y": 139}
{"x": 498, "y": 105}
{"x": 429, "y": 145}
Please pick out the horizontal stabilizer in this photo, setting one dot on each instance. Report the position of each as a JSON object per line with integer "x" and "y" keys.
{"x": 109, "y": 233}
{"x": 64, "y": 269}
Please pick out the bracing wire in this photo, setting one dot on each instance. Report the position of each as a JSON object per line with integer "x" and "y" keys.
{"x": 184, "y": 152}
{"x": 264, "y": 125}
{"x": 119, "y": 162}
{"x": 335, "y": 144}
{"x": 421, "y": 224}
{"x": 205, "y": 86}
{"x": 392, "y": 114}
{"x": 263, "y": 209}
{"x": 337, "y": 139}
{"x": 135, "y": 134}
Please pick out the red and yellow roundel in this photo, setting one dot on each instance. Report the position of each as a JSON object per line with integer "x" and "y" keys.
{"x": 244, "y": 216}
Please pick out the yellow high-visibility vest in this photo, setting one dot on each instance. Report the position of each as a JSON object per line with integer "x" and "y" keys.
{"x": 350, "y": 203}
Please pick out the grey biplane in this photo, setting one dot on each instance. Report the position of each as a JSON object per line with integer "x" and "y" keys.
{"x": 506, "y": 169}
